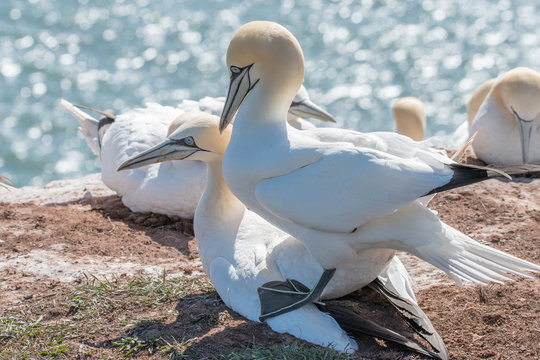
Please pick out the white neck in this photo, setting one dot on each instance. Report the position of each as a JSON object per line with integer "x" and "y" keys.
{"x": 265, "y": 106}
{"x": 217, "y": 217}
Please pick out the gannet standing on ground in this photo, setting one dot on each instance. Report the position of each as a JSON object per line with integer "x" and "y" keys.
{"x": 240, "y": 251}
{"x": 171, "y": 188}
{"x": 410, "y": 117}
{"x": 338, "y": 198}
{"x": 508, "y": 121}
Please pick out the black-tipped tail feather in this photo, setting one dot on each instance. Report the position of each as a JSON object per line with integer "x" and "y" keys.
{"x": 415, "y": 318}
{"x": 465, "y": 174}
{"x": 354, "y": 323}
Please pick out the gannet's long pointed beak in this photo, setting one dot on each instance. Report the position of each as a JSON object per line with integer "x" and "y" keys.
{"x": 166, "y": 150}
{"x": 525, "y": 130}
{"x": 308, "y": 109}
{"x": 240, "y": 86}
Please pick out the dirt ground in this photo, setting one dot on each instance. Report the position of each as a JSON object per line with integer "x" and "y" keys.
{"x": 46, "y": 251}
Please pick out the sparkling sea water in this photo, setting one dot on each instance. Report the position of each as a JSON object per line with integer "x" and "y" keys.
{"x": 360, "y": 57}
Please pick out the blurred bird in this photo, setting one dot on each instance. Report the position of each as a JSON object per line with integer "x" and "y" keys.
{"x": 410, "y": 117}
{"x": 508, "y": 121}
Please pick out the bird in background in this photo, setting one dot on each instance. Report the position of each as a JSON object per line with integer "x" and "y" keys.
{"x": 507, "y": 123}
{"x": 171, "y": 188}
{"x": 410, "y": 117}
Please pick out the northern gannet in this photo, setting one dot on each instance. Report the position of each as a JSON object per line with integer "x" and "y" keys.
{"x": 339, "y": 195}
{"x": 157, "y": 188}
{"x": 508, "y": 121}
{"x": 410, "y": 117}
{"x": 241, "y": 252}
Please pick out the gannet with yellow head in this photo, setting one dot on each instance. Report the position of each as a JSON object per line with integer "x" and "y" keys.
{"x": 508, "y": 121}
{"x": 172, "y": 188}
{"x": 241, "y": 252}
{"x": 337, "y": 197}
{"x": 410, "y": 117}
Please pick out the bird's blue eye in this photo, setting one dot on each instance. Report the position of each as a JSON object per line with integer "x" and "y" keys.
{"x": 236, "y": 70}
{"x": 189, "y": 141}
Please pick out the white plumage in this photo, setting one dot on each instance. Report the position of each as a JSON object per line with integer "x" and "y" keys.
{"x": 171, "y": 188}
{"x": 240, "y": 251}
{"x": 508, "y": 121}
{"x": 337, "y": 196}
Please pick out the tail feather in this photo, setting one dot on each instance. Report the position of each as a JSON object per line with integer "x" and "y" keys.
{"x": 520, "y": 170}
{"x": 465, "y": 174}
{"x": 469, "y": 260}
{"x": 5, "y": 183}
{"x": 353, "y": 322}
{"x": 414, "y": 316}
{"x": 418, "y": 231}
{"x": 89, "y": 125}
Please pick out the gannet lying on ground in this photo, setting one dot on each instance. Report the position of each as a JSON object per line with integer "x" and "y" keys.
{"x": 410, "y": 117}
{"x": 509, "y": 118}
{"x": 340, "y": 195}
{"x": 241, "y": 252}
{"x": 172, "y": 188}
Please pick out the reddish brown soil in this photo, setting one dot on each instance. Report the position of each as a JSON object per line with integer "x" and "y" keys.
{"x": 102, "y": 236}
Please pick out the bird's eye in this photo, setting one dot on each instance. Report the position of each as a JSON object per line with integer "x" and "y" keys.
{"x": 236, "y": 70}
{"x": 189, "y": 141}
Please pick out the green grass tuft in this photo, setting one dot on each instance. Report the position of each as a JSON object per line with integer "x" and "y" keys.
{"x": 22, "y": 337}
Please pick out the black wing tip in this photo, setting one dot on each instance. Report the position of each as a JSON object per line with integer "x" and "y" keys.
{"x": 463, "y": 175}
{"x": 415, "y": 317}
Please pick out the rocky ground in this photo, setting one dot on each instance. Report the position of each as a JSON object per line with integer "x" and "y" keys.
{"x": 75, "y": 262}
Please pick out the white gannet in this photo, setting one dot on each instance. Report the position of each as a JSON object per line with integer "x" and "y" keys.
{"x": 156, "y": 188}
{"x": 509, "y": 120}
{"x": 410, "y": 117}
{"x": 335, "y": 195}
{"x": 241, "y": 252}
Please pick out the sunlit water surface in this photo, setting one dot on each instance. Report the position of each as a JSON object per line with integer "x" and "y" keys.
{"x": 360, "y": 56}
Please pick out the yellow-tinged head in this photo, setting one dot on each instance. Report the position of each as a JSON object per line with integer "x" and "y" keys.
{"x": 410, "y": 117}
{"x": 519, "y": 89}
{"x": 518, "y": 94}
{"x": 192, "y": 135}
{"x": 263, "y": 54}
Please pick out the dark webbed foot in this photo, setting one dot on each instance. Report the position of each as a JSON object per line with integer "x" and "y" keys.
{"x": 280, "y": 297}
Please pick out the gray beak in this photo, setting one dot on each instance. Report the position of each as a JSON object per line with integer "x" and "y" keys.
{"x": 164, "y": 151}
{"x": 240, "y": 86}
{"x": 525, "y": 130}
{"x": 307, "y": 109}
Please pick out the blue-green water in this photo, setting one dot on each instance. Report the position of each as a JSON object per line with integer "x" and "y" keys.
{"x": 360, "y": 57}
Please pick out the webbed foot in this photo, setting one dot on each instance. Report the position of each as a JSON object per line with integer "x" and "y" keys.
{"x": 280, "y": 297}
